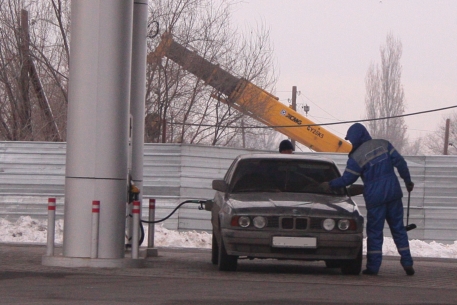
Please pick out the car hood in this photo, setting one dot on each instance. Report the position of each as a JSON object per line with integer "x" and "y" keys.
{"x": 296, "y": 204}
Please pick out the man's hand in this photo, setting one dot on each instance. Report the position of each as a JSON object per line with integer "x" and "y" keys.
{"x": 324, "y": 187}
{"x": 409, "y": 187}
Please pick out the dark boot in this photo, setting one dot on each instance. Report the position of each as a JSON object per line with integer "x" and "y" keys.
{"x": 409, "y": 270}
{"x": 369, "y": 272}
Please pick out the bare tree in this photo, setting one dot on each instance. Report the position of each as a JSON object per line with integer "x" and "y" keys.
{"x": 385, "y": 96}
{"x": 181, "y": 103}
{"x": 414, "y": 148}
{"x": 434, "y": 142}
{"x": 50, "y": 27}
{"x": 33, "y": 69}
{"x": 180, "y": 107}
{"x": 15, "y": 102}
{"x": 263, "y": 138}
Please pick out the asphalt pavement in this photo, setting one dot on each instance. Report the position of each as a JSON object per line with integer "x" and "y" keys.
{"x": 186, "y": 276}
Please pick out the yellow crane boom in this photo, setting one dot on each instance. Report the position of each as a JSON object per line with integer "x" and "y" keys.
{"x": 251, "y": 99}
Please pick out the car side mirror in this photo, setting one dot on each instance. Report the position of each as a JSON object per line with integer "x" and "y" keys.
{"x": 220, "y": 185}
{"x": 355, "y": 189}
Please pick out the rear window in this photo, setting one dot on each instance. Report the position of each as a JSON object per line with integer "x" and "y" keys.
{"x": 278, "y": 175}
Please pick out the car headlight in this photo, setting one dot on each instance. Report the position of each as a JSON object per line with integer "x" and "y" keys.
{"x": 343, "y": 224}
{"x": 328, "y": 224}
{"x": 259, "y": 222}
{"x": 244, "y": 221}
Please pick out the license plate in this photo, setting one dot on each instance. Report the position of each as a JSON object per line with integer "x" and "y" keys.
{"x": 294, "y": 242}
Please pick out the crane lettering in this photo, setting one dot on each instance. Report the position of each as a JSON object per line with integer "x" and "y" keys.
{"x": 293, "y": 119}
{"x": 315, "y": 132}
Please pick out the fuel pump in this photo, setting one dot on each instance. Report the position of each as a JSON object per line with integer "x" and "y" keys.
{"x": 133, "y": 195}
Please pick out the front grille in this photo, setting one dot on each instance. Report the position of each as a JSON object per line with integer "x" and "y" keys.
{"x": 290, "y": 223}
{"x": 287, "y": 223}
{"x": 301, "y": 223}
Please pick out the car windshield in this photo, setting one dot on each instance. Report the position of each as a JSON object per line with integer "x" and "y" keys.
{"x": 279, "y": 175}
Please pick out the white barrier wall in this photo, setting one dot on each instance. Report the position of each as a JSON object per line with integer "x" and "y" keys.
{"x": 30, "y": 172}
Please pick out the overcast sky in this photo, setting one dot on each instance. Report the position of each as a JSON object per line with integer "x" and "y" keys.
{"x": 324, "y": 47}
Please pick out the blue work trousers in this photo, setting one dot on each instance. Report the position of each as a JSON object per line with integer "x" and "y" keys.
{"x": 376, "y": 217}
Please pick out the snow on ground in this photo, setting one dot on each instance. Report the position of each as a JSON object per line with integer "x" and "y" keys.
{"x": 28, "y": 230}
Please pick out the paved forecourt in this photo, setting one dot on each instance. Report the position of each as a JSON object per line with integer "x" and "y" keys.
{"x": 186, "y": 276}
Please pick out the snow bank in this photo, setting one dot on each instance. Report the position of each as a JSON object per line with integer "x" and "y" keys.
{"x": 28, "y": 230}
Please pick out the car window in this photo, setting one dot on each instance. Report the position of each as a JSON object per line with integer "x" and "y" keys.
{"x": 229, "y": 172}
{"x": 281, "y": 175}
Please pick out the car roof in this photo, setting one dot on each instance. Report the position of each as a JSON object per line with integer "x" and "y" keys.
{"x": 283, "y": 156}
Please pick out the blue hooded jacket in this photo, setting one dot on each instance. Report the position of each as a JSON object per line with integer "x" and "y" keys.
{"x": 373, "y": 160}
{"x": 357, "y": 134}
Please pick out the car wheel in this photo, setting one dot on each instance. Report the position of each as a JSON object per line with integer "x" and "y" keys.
{"x": 214, "y": 251}
{"x": 226, "y": 262}
{"x": 353, "y": 266}
{"x": 333, "y": 263}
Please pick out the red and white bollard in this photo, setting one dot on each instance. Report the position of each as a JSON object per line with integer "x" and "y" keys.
{"x": 51, "y": 226}
{"x": 136, "y": 226}
{"x": 152, "y": 213}
{"x": 95, "y": 228}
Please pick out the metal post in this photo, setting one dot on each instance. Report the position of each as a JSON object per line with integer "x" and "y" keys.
{"x": 138, "y": 90}
{"x": 128, "y": 225}
{"x": 152, "y": 214}
{"x": 95, "y": 228}
{"x": 151, "y": 251}
{"x": 51, "y": 226}
{"x": 136, "y": 227}
{"x": 294, "y": 106}
{"x": 446, "y": 138}
{"x": 243, "y": 133}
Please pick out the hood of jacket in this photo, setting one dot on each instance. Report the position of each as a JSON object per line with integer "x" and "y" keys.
{"x": 357, "y": 134}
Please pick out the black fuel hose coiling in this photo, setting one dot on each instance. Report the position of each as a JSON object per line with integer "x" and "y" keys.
{"x": 201, "y": 202}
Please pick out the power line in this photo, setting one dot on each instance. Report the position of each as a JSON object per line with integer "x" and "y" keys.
{"x": 391, "y": 117}
{"x": 328, "y": 124}
{"x": 316, "y": 104}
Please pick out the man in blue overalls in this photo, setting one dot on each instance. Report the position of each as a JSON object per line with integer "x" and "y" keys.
{"x": 374, "y": 160}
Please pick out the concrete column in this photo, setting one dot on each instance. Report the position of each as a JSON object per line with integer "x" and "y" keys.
{"x": 97, "y": 127}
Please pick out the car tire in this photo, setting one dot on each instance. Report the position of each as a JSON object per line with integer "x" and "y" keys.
{"x": 353, "y": 266}
{"x": 214, "y": 251}
{"x": 332, "y": 263}
{"x": 226, "y": 262}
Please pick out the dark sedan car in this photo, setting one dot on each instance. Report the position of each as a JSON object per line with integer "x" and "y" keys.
{"x": 272, "y": 206}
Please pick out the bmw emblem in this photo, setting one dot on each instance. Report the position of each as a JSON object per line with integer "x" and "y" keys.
{"x": 283, "y": 112}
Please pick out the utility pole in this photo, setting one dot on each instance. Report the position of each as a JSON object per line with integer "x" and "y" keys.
{"x": 294, "y": 106}
{"x": 446, "y": 137}
{"x": 164, "y": 130}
